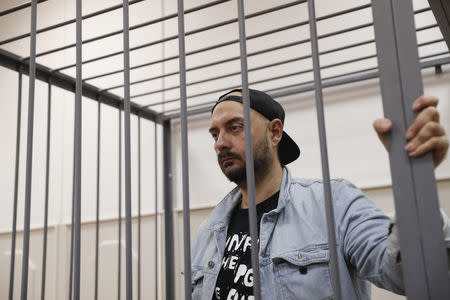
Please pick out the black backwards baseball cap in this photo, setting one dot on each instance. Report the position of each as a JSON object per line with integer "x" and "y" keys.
{"x": 288, "y": 151}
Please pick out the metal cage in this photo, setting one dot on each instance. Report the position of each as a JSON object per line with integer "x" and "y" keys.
{"x": 397, "y": 65}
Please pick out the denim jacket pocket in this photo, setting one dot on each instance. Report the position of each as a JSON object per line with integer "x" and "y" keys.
{"x": 197, "y": 282}
{"x": 304, "y": 273}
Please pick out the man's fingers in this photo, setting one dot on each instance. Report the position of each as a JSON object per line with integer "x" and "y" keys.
{"x": 382, "y": 128}
{"x": 425, "y": 101}
{"x": 429, "y": 130}
{"x": 439, "y": 144}
{"x": 428, "y": 114}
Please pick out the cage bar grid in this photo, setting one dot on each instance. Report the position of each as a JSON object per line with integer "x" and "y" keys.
{"x": 57, "y": 77}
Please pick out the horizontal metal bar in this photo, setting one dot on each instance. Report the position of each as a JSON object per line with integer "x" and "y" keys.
{"x": 280, "y": 88}
{"x": 17, "y": 8}
{"x": 342, "y": 12}
{"x": 208, "y": 104}
{"x": 427, "y": 27}
{"x": 130, "y": 28}
{"x": 254, "y": 53}
{"x": 255, "y": 82}
{"x": 430, "y": 42}
{"x": 348, "y": 61}
{"x": 235, "y": 58}
{"x": 357, "y": 27}
{"x": 299, "y": 87}
{"x": 433, "y": 55}
{"x": 422, "y": 10}
{"x": 222, "y": 45}
{"x": 272, "y": 78}
{"x": 203, "y": 50}
{"x": 65, "y": 23}
{"x": 272, "y": 49}
{"x": 256, "y": 14}
{"x": 304, "y": 87}
{"x": 14, "y": 62}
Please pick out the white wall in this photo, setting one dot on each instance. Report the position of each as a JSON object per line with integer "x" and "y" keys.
{"x": 354, "y": 151}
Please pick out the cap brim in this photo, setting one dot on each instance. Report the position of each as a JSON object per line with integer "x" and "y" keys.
{"x": 288, "y": 150}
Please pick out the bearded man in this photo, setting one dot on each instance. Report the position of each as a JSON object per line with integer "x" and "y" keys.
{"x": 293, "y": 247}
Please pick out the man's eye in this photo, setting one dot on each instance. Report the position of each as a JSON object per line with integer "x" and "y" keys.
{"x": 235, "y": 128}
{"x": 214, "y": 136}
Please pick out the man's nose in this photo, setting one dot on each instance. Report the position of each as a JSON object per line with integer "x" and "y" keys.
{"x": 222, "y": 142}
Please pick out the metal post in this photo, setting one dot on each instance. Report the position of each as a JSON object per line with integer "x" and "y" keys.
{"x": 331, "y": 232}
{"x": 156, "y": 210}
{"x": 16, "y": 185}
{"x": 184, "y": 154}
{"x": 139, "y": 210}
{"x": 97, "y": 206}
{"x": 72, "y": 217}
{"x": 253, "y": 220}
{"x": 168, "y": 212}
{"x": 441, "y": 11}
{"x": 77, "y": 153}
{"x": 29, "y": 163}
{"x": 47, "y": 173}
{"x": 126, "y": 100}
{"x": 423, "y": 253}
{"x": 119, "y": 220}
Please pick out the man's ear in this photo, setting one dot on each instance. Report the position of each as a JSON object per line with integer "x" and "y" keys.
{"x": 275, "y": 131}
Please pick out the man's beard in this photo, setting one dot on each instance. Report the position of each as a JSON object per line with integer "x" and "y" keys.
{"x": 262, "y": 158}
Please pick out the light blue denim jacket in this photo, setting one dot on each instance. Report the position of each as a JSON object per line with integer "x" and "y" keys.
{"x": 295, "y": 234}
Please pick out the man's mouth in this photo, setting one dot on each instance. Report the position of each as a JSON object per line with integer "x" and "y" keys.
{"x": 226, "y": 159}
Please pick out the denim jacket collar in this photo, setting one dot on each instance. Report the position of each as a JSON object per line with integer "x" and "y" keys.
{"x": 221, "y": 215}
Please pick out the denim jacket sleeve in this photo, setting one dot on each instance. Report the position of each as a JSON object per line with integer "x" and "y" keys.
{"x": 362, "y": 230}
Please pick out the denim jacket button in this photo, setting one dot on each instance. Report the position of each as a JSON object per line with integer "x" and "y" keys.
{"x": 299, "y": 255}
{"x": 211, "y": 264}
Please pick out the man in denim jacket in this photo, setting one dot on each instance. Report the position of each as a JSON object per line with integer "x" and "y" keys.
{"x": 293, "y": 249}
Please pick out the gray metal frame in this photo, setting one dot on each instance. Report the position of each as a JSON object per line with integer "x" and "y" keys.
{"x": 251, "y": 194}
{"x": 413, "y": 179}
{"x": 29, "y": 163}
{"x": 127, "y": 133}
{"x": 423, "y": 252}
{"x": 329, "y": 210}
{"x": 441, "y": 11}
{"x": 168, "y": 212}
{"x": 184, "y": 154}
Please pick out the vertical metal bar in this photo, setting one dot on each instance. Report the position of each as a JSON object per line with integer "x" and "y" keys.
{"x": 26, "y": 226}
{"x": 72, "y": 218}
{"x": 424, "y": 259}
{"x": 16, "y": 185}
{"x": 97, "y": 206}
{"x": 156, "y": 210}
{"x": 184, "y": 154}
{"x": 249, "y": 155}
{"x": 119, "y": 220}
{"x": 126, "y": 100}
{"x": 329, "y": 212}
{"x": 77, "y": 153}
{"x": 441, "y": 11}
{"x": 47, "y": 173}
{"x": 139, "y": 209}
{"x": 168, "y": 212}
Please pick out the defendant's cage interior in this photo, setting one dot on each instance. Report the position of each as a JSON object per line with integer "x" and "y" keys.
{"x": 140, "y": 76}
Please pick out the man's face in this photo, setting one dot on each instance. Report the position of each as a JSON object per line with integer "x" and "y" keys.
{"x": 227, "y": 130}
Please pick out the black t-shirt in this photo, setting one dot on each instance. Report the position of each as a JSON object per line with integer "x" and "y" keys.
{"x": 235, "y": 279}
